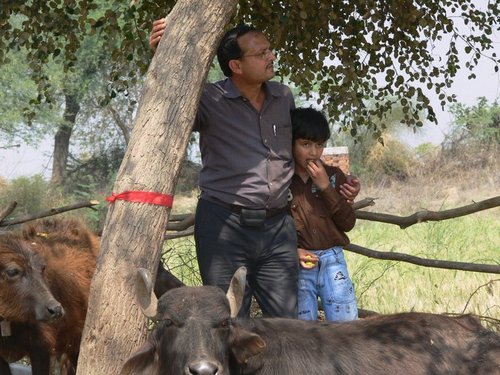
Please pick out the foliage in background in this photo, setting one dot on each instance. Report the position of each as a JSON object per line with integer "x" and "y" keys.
{"x": 68, "y": 102}
{"x": 18, "y": 96}
{"x": 377, "y": 51}
{"x": 98, "y": 169}
{"x": 474, "y": 126}
{"x": 378, "y": 156}
{"x": 472, "y": 143}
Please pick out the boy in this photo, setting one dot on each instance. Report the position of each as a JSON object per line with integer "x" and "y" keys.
{"x": 322, "y": 216}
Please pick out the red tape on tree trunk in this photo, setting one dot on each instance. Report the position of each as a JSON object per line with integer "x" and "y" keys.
{"x": 143, "y": 197}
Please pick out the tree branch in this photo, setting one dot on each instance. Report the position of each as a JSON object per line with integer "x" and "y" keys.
{"x": 363, "y": 203}
{"x": 179, "y": 234}
{"x": 473, "y": 267}
{"x": 424, "y": 216}
{"x": 51, "y": 212}
{"x": 180, "y": 222}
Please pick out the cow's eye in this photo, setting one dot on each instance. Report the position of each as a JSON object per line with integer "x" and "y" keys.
{"x": 12, "y": 272}
{"x": 168, "y": 322}
{"x": 225, "y": 323}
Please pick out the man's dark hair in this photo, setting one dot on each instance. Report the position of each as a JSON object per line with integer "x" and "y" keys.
{"x": 309, "y": 123}
{"x": 229, "y": 48}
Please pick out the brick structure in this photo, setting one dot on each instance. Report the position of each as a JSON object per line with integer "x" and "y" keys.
{"x": 337, "y": 157}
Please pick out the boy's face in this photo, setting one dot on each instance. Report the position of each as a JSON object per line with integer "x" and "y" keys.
{"x": 306, "y": 151}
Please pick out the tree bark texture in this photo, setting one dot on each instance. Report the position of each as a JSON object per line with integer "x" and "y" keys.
{"x": 61, "y": 140}
{"x": 134, "y": 232}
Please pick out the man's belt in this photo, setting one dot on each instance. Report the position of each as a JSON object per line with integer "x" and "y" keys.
{"x": 270, "y": 212}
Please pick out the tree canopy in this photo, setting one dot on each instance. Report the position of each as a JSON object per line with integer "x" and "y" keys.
{"x": 351, "y": 52}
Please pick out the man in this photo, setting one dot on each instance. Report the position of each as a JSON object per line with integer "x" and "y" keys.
{"x": 246, "y": 150}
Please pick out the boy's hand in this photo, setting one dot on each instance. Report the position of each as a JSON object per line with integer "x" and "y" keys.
{"x": 156, "y": 33}
{"x": 318, "y": 174}
{"x": 307, "y": 260}
{"x": 350, "y": 189}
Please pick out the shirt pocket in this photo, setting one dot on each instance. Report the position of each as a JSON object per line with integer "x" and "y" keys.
{"x": 320, "y": 208}
{"x": 283, "y": 135}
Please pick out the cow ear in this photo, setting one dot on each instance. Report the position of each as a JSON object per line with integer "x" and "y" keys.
{"x": 144, "y": 293}
{"x": 237, "y": 290}
{"x": 245, "y": 344}
{"x": 143, "y": 361}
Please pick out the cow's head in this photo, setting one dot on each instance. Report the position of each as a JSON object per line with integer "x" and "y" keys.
{"x": 24, "y": 293}
{"x": 194, "y": 334}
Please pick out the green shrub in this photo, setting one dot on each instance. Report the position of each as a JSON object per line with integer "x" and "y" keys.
{"x": 32, "y": 194}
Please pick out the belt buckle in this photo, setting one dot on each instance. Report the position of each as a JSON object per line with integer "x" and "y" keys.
{"x": 252, "y": 218}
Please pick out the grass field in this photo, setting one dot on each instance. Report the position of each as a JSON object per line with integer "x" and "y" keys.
{"x": 389, "y": 286}
{"x": 395, "y": 286}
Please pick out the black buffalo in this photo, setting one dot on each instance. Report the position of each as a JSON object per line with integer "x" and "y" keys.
{"x": 197, "y": 335}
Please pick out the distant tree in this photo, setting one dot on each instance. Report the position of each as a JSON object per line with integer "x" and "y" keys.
{"x": 18, "y": 93}
{"x": 71, "y": 104}
{"x": 475, "y": 125}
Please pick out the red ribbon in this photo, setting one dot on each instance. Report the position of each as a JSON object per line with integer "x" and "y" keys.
{"x": 143, "y": 197}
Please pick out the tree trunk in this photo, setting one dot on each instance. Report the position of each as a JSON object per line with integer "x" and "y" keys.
{"x": 61, "y": 140}
{"x": 133, "y": 232}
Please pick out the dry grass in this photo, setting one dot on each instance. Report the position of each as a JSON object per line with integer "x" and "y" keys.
{"x": 435, "y": 187}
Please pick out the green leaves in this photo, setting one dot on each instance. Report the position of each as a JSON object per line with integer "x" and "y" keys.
{"x": 476, "y": 125}
{"x": 362, "y": 51}
{"x": 352, "y": 52}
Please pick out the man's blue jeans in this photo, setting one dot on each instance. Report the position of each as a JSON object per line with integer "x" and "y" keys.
{"x": 330, "y": 281}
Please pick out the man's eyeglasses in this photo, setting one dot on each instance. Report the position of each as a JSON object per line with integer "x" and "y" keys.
{"x": 264, "y": 55}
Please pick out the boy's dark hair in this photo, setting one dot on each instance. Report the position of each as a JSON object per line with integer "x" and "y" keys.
{"x": 309, "y": 123}
{"x": 229, "y": 49}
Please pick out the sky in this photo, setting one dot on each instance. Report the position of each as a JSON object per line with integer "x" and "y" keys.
{"x": 27, "y": 161}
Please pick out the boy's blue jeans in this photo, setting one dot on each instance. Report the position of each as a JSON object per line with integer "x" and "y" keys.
{"x": 330, "y": 281}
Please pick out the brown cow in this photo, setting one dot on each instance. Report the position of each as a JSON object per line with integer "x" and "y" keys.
{"x": 46, "y": 271}
{"x": 45, "y": 275}
{"x": 74, "y": 234}
{"x": 196, "y": 335}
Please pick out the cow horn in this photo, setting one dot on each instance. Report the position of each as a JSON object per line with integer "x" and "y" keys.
{"x": 237, "y": 290}
{"x": 144, "y": 293}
